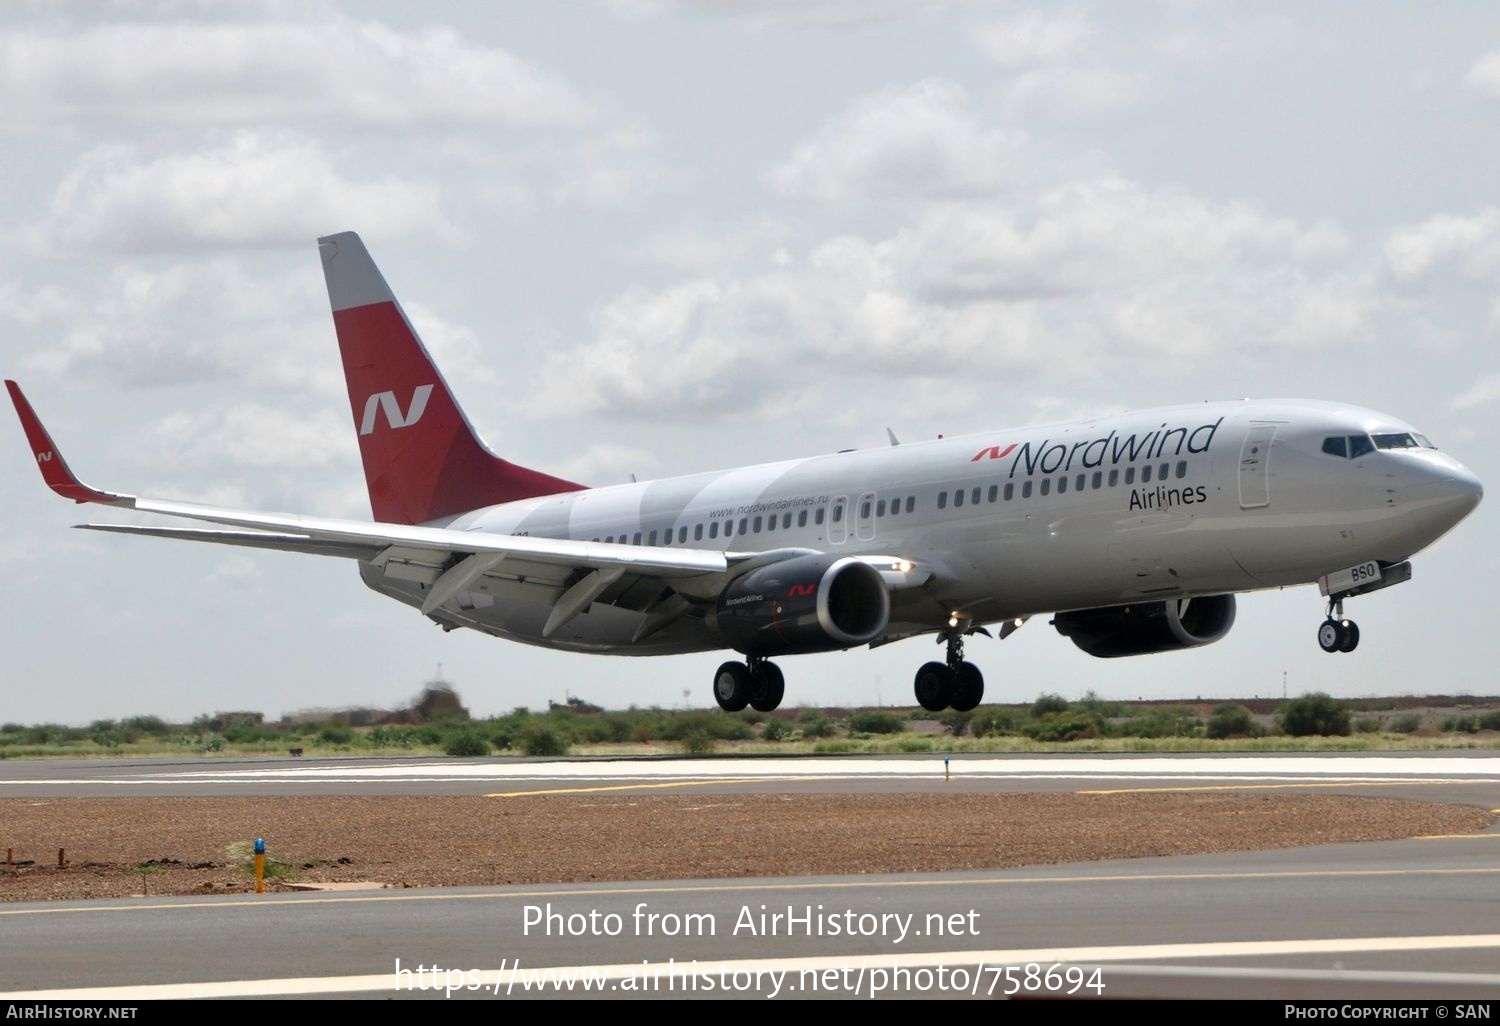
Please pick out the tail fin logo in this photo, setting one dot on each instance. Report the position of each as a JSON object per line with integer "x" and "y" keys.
{"x": 386, "y": 402}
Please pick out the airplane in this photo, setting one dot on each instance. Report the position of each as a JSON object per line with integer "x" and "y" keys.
{"x": 1134, "y": 531}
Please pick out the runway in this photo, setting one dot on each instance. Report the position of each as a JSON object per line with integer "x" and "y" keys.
{"x": 1411, "y": 918}
{"x": 1466, "y": 776}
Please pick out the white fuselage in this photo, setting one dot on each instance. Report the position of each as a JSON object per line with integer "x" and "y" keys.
{"x": 1185, "y": 501}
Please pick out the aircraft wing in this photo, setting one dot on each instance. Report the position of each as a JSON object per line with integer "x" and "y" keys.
{"x": 567, "y": 574}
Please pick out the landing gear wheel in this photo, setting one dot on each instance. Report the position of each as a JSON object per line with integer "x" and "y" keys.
{"x": 732, "y": 686}
{"x": 767, "y": 686}
{"x": 1350, "y": 640}
{"x": 968, "y": 689}
{"x": 935, "y": 687}
{"x": 1330, "y": 636}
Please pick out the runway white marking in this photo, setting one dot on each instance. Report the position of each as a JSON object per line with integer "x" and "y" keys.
{"x": 1335, "y": 769}
{"x": 607, "y": 977}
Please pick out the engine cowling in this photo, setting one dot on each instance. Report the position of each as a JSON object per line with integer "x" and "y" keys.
{"x": 1145, "y": 627}
{"x": 806, "y": 604}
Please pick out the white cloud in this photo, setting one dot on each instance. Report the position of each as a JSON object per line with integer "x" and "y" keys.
{"x": 151, "y": 326}
{"x": 1083, "y": 281}
{"x": 832, "y": 13}
{"x": 251, "y": 191}
{"x": 1466, "y": 246}
{"x": 1087, "y": 235}
{"x": 1486, "y": 390}
{"x": 710, "y": 247}
{"x": 606, "y": 463}
{"x": 608, "y": 170}
{"x": 1053, "y": 73}
{"x": 1484, "y": 74}
{"x": 1063, "y": 90}
{"x": 252, "y": 436}
{"x": 1035, "y": 37}
{"x": 455, "y": 347}
{"x": 32, "y": 305}
{"x": 334, "y": 71}
{"x": 919, "y": 141}
{"x": 237, "y": 570}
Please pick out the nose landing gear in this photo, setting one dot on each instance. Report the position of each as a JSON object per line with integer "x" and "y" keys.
{"x": 1337, "y": 633}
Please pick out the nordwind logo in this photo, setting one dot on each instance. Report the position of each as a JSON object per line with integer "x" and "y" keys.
{"x": 386, "y": 402}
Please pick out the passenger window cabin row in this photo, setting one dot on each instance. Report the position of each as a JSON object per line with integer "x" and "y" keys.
{"x": 888, "y": 508}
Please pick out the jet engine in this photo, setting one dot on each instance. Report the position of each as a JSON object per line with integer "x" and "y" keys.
{"x": 1145, "y": 627}
{"x": 816, "y": 603}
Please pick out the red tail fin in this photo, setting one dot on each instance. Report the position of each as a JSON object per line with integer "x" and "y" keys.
{"x": 422, "y": 459}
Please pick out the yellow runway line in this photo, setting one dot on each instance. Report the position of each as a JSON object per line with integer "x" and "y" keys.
{"x": 645, "y": 787}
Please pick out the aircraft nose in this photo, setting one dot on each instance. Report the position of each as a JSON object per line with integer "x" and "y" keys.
{"x": 1457, "y": 490}
{"x": 1467, "y": 488}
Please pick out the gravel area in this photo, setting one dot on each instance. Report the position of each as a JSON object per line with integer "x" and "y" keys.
{"x": 131, "y": 846}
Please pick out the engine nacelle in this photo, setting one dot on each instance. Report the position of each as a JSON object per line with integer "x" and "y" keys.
{"x": 807, "y": 604}
{"x": 1145, "y": 627}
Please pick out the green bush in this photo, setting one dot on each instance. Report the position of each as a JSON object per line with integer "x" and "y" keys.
{"x": 1405, "y": 724}
{"x": 152, "y": 725}
{"x": 1459, "y": 725}
{"x": 697, "y": 742}
{"x": 730, "y": 728}
{"x": 817, "y": 726}
{"x": 876, "y": 721}
{"x": 1098, "y": 708}
{"x": 1159, "y": 723}
{"x": 716, "y": 725}
{"x": 1315, "y": 713}
{"x": 1063, "y": 726}
{"x": 775, "y": 730}
{"x": 994, "y": 722}
{"x": 955, "y": 722}
{"x": 1367, "y": 725}
{"x": 1490, "y": 721}
{"x": 1047, "y": 705}
{"x": 537, "y": 740}
{"x": 336, "y": 735}
{"x": 466, "y": 745}
{"x": 1229, "y": 719}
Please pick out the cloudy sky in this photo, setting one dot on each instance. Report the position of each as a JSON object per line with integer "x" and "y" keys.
{"x": 659, "y": 236}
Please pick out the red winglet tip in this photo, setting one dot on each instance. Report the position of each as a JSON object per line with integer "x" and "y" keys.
{"x": 55, "y": 470}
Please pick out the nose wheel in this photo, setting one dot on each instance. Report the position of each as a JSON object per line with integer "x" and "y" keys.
{"x": 1338, "y": 633}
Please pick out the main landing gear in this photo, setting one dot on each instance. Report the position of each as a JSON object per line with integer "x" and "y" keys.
{"x": 758, "y": 684}
{"x": 1337, "y": 633}
{"x": 953, "y": 684}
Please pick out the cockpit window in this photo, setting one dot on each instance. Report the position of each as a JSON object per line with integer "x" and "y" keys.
{"x": 1401, "y": 440}
{"x": 1337, "y": 446}
{"x": 1360, "y": 445}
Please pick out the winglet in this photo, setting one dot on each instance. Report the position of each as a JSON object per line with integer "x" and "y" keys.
{"x": 54, "y": 468}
